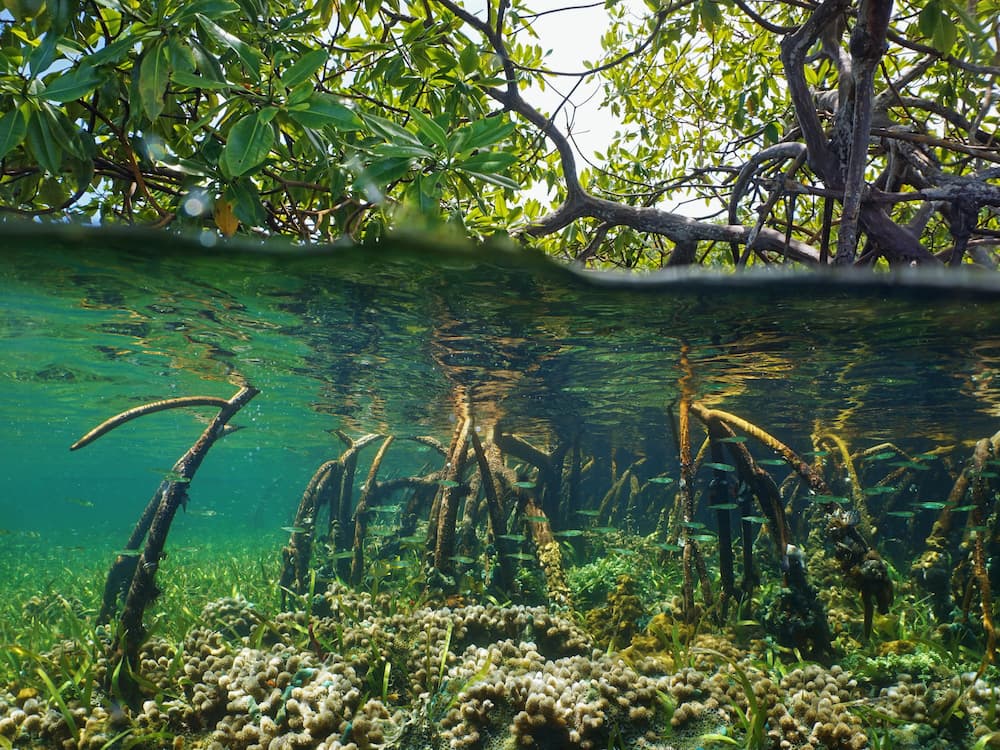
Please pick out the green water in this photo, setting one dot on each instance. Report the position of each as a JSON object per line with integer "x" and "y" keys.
{"x": 371, "y": 340}
{"x": 382, "y": 339}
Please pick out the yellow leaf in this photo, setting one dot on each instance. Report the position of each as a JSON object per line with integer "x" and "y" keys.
{"x": 225, "y": 219}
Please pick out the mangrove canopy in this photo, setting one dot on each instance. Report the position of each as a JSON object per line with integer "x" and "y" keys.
{"x": 750, "y": 132}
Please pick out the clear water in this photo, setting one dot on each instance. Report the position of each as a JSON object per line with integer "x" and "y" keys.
{"x": 381, "y": 339}
{"x": 376, "y": 340}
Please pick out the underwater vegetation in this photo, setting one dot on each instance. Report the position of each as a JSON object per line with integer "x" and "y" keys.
{"x": 730, "y": 589}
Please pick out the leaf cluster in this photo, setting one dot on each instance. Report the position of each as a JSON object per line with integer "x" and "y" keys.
{"x": 258, "y": 116}
{"x": 747, "y": 132}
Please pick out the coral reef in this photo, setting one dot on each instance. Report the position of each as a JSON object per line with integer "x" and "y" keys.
{"x": 357, "y": 672}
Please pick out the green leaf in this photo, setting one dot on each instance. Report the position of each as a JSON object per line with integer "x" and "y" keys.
{"x": 469, "y": 58}
{"x": 211, "y": 8}
{"x": 405, "y": 150}
{"x": 197, "y": 81}
{"x": 73, "y": 84}
{"x": 299, "y": 94}
{"x": 711, "y": 16}
{"x": 246, "y": 202}
{"x": 494, "y": 179}
{"x": 321, "y": 110}
{"x": 480, "y": 134}
{"x": 113, "y": 52}
{"x": 207, "y": 62}
{"x": 42, "y": 56}
{"x": 248, "y": 144}
{"x": 380, "y": 173}
{"x": 13, "y": 129}
{"x": 43, "y": 142}
{"x": 304, "y": 67}
{"x": 249, "y": 56}
{"x": 180, "y": 55}
{"x": 429, "y": 130}
{"x": 154, "y": 72}
{"x": 928, "y": 18}
{"x": 487, "y": 162}
{"x": 389, "y": 130}
{"x": 944, "y": 35}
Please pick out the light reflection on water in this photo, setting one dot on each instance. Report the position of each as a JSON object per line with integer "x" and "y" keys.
{"x": 369, "y": 341}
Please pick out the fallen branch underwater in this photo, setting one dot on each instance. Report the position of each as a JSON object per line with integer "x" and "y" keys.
{"x": 151, "y": 408}
{"x": 139, "y": 572}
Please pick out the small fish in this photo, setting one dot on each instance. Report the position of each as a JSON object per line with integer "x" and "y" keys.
{"x": 963, "y": 508}
{"x": 80, "y": 501}
{"x": 519, "y": 556}
{"x": 414, "y": 539}
{"x": 881, "y": 456}
{"x": 462, "y": 559}
{"x": 537, "y": 519}
{"x": 525, "y": 485}
{"x": 661, "y": 480}
{"x": 294, "y": 529}
{"x": 753, "y": 519}
{"x": 725, "y": 506}
{"x": 127, "y": 553}
{"x": 668, "y": 547}
{"x": 880, "y": 490}
{"x": 931, "y": 505}
{"x": 568, "y": 533}
{"x": 719, "y": 466}
{"x": 171, "y": 475}
{"x": 734, "y": 439}
{"x": 704, "y": 538}
{"x": 772, "y": 462}
{"x": 901, "y": 513}
{"x": 692, "y": 524}
{"x": 622, "y": 551}
{"x": 590, "y": 513}
{"x": 824, "y": 499}
{"x": 512, "y": 537}
{"x": 207, "y": 513}
{"x": 447, "y": 483}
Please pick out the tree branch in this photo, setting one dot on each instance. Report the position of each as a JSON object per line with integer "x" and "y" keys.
{"x": 867, "y": 47}
{"x": 674, "y": 226}
{"x": 794, "y": 49}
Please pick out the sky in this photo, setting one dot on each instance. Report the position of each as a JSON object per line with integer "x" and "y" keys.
{"x": 573, "y": 37}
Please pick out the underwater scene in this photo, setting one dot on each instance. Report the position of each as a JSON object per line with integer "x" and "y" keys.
{"x": 419, "y": 496}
